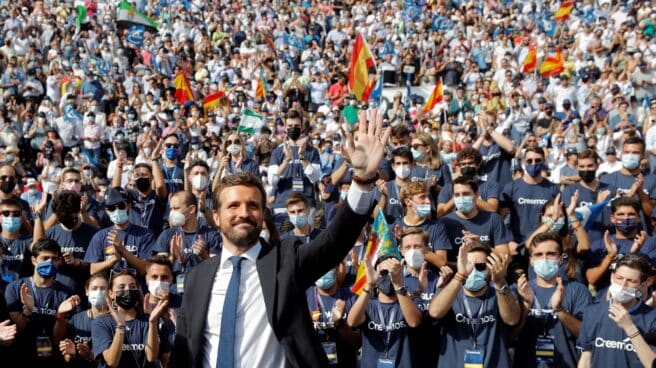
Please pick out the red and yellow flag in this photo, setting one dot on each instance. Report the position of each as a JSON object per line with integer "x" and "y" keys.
{"x": 260, "y": 89}
{"x": 362, "y": 71}
{"x": 531, "y": 60}
{"x": 565, "y": 8}
{"x": 183, "y": 92}
{"x": 552, "y": 65}
{"x": 212, "y": 101}
{"x": 380, "y": 243}
{"x": 435, "y": 97}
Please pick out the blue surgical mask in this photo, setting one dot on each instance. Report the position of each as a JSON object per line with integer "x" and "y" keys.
{"x": 626, "y": 225}
{"x": 119, "y": 216}
{"x": 423, "y": 209}
{"x": 46, "y": 269}
{"x": 343, "y": 195}
{"x": 534, "y": 170}
{"x": 476, "y": 280}
{"x": 464, "y": 204}
{"x": 326, "y": 281}
{"x": 329, "y": 149}
{"x": 11, "y": 224}
{"x": 601, "y": 131}
{"x": 555, "y": 226}
{"x": 630, "y": 161}
{"x": 546, "y": 268}
{"x": 171, "y": 153}
{"x": 298, "y": 221}
{"x": 417, "y": 154}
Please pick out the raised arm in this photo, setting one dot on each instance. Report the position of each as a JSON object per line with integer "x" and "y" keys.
{"x": 443, "y": 301}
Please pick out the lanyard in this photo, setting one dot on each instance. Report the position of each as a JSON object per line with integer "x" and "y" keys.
{"x": 544, "y": 318}
{"x": 475, "y": 324}
{"x": 388, "y": 327}
{"x": 171, "y": 176}
{"x": 36, "y": 296}
{"x": 320, "y": 306}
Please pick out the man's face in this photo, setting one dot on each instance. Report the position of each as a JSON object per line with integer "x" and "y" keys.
{"x": 157, "y": 272}
{"x": 400, "y": 141}
{"x": 71, "y": 179}
{"x": 627, "y": 277}
{"x": 240, "y": 215}
{"x": 587, "y": 164}
{"x": 626, "y": 149}
{"x": 177, "y": 204}
{"x": 476, "y": 260}
{"x": 401, "y": 161}
{"x": 298, "y": 208}
{"x": 142, "y": 172}
{"x": 624, "y": 212}
{"x": 533, "y": 158}
{"x": 462, "y": 190}
{"x": 7, "y": 173}
{"x": 45, "y": 256}
{"x": 413, "y": 241}
{"x": 545, "y": 250}
{"x": 198, "y": 170}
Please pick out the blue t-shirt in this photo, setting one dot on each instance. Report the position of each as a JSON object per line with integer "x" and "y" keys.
{"x": 437, "y": 234}
{"x": 598, "y": 252}
{"x": 314, "y": 233}
{"x": 136, "y": 239}
{"x": 94, "y": 209}
{"x": 488, "y": 225}
{"x": 525, "y": 202}
{"x": 542, "y": 321}
{"x": 486, "y": 189}
{"x": 247, "y": 165}
{"x": 609, "y": 345}
{"x": 394, "y": 207}
{"x": 173, "y": 177}
{"x": 624, "y": 183}
{"x": 294, "y": 171}
{"x": 79, "y": 331}
{"x": 482, "y": 325}
{"x": 75, "y": 242}
{"x": 42, "y": 321}
{"x": 496, "y": 164}
{"x": 16, "y": 261}
{"x": 596, "y": 228}
{"x": 386, "y": 337}
{"x": 411, "y": 283}
{"x": 147, "y": 211}
{"x": 209, "y": 235}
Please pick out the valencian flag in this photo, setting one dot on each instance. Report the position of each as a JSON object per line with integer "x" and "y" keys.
{"x": 380, "y": 243}
{"x": 531, "y": 61}
{"x": 564, "y": 10}
{"x": 128, "y": 16}
{"x": 552, "y": 65}
{"x": 260, "y": 87}
{"x": 183, "y": 91}
{"x": 362, "y": 72}
{"x": 435, "y": 97}
{"x": 212, "y": 101}
{"x": 268, "y": 41}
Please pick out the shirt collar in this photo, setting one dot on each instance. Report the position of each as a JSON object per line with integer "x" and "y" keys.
{"x": 250, "y": 255}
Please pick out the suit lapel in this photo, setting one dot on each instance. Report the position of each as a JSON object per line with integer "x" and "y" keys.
{"x": 203, "y": 291}
{"x": 267, "y": 268}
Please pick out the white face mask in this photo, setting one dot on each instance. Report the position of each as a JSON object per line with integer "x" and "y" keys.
{"x": 96, "y": 298}
{"x": 402, "y": 171}
{"x": 158, "y": 288}
{"x": 414, "y": 258}
{"x": 199, "y": 182}
{"x": 176, "y": 218}
{"x": 622, "y": 294}
{"x": 233, "y": 149}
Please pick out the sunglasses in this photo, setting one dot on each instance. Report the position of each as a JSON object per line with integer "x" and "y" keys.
{"x": 480, "y": 266}
{"x": 113, "y": 207}
{"x": 536, "y": 161}
{"x": 7, "y": 178}
{"x": 8, "y": 213}
{"x": 172, "y": 145}
{"x": 233, "y": 141}
{"x": 416, "y": 146}
{"x": 124, "y": 271}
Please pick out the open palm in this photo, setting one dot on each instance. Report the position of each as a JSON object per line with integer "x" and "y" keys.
{"x": 366, "y": 149}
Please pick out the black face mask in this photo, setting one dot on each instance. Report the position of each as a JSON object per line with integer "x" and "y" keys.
{"x": 468, "y": 171}
{"x": 8, "y": 186}
{"x": 127, "y": 299}
{"x": 68, "y": 222}
{"x": 143, "y": 184}
{"x": 587, "y": 175}
{"x": 293, "y": 133}
{"x": 384, "y": 285}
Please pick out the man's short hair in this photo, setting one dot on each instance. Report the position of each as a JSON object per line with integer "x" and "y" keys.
{"x": 172, "y": 135}
{"x": 403, "y": 152}
{"x": 45, "y": 245}
{"x": 412, "y": 188}
{"x": 478, "y": 246}
{"x": 159, "y": 259}
{"x": 537, "y": 150}
{"x": 238, "y": 179}
{"x": 468, "y": 181}
{"x": 199, "y": 163}
{"x": 69, "y": 170}
{"x": 635, "y": 140}
{"x": 400, "y": 131}
{"x": 624, "y": 201}
{"x": 66, "y": 202}
{"x": 12, "y": 202}
{"x": 470, "y": 153}
{"x": 589, "y": 154}
{"x": 545, "y": 237}
{"x": 188, "y": 198}
{"x": 636, "y": 262}
{"x": 145, "y": 166}
{"x": 413, "y": 230}
{"x": 295, "y": 198}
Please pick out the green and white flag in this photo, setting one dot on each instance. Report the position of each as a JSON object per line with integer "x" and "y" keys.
{"x": 127, "y": 16}
{"x": 250, "y": 122}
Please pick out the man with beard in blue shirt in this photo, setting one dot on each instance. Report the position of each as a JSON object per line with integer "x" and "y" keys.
{"x": 602, "y": 342}
{"x": 468, "y": 222}
{"x": 591, "y": 191}
{"x": 553, "y": 309}
{"x": 476, "y": 320}
{"x": 524, "y": 197}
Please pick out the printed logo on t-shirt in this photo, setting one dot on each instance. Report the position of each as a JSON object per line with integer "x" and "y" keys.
{"x": 394, "y": 202}
{"x": 11, "y": 257}
{"x": 73, "y": 250}
{"x": 133, "y": 347}
{"x": 381, "y": 327}
{"x": 131, "y": 248}
{"x": 484, "y": 238}
{"x": 531, "y": 201}
{"x": 461, "y": 318}
{"x": 612, "y": 344}
{"x": 81, "y": 339}
{"x": 44, "y": 311}
{"x": 491, "y": 156}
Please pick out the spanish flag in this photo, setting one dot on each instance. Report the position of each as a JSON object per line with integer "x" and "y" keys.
{"x": 260, "y": 89}
{"x": 435, "y": 97}
{"x": 531, "y": 60}
{"x": 362, "y": 71}
{"x": 380, "y": 243}
{"x": 212, "y": 101}
{"x": 565, "y": 8}
{"x": 552, "y": 65}
{"x": 183, "y": 92}
{"x": 269, "y": 41}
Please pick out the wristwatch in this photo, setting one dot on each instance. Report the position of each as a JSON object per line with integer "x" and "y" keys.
{"x": 401, "y": 291}
{"x": 505, "y": 289}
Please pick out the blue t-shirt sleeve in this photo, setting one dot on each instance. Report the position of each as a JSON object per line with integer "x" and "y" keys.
{"x": 500, "y": 233}
{"x": 162, "y": 243}
{"x": 440, "y": 238}
{"x": 506, "y": 200}
{"x": 587, "y": 331}
{"x": 12, "y": 296}
{"x": 580, "y": 299}
{"x": 445, "y": 194}
{"x": 147, "y": 246}
{"x": 492, "y": 190}
{"x": 102, "y": 334}
{"x": 95, "y": 250}
{"x": 213, "y": 242}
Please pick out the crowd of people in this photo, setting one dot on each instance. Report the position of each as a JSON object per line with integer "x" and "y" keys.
{"x": 523, "y": 206}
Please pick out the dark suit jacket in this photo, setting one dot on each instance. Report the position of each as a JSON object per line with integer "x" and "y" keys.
{"x": 285, "y": 273}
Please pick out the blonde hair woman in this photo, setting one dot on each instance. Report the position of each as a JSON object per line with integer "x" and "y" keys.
{"x": 233, "y": 159}
{"x": 426, "y": 154}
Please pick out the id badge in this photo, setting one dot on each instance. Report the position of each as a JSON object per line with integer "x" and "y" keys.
{"x": 544, "y": 349}
{"x": 473, "y": 358}
{"x": 297, "y": 184}
{"x": 43, "y": 347}
{"x": 331, "y": 352}
{"x": 179, "y": 283}
{"x": 385, "y": 363}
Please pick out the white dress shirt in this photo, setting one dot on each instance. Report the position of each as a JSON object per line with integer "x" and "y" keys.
{"x": 256, "y": 344}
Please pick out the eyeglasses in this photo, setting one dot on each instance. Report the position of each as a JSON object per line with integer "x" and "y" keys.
{"x": 172, "y": 145}
{"x": 7, "y": 178}
{"x": 233, "y": 141}
{"x": 480, "y": 266}
{"x": 8, "y": 213}
{"x": 417, "y": 145}
{"x": 534, "y": 161}
{"x": 113, "y": 207}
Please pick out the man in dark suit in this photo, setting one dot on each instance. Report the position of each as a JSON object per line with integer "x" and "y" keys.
{"x": 246, "y": 307}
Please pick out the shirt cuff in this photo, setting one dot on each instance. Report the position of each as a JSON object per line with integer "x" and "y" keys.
{"x": 359, "y": 199}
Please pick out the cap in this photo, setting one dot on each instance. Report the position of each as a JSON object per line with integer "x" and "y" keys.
{"x": 31, "y": 182}
{"x": 571, "y": 151}
{"x": 567, "y": 102}
{"x": 611, "y": 151}
{"x": 114, "y": 196}
{"x": 542, "y": 100}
